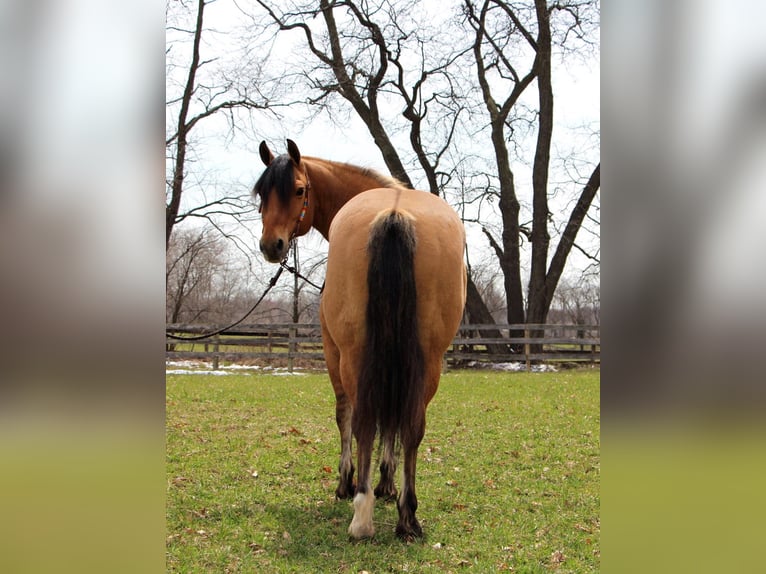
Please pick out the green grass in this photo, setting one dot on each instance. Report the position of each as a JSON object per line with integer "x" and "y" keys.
{"x": 508, "y": 477}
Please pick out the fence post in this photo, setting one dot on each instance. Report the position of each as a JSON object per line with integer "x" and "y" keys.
{"x": 215, "y": 353}
{"x": 291, "y": 338}
{"x": 527, "y": 349}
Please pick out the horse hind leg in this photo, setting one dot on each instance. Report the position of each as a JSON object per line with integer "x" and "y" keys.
{"x": 386, "y": 488}
{"x": 345, "y": 466}
{"x": 343, "y": 413}
{"x": 346, "y": 486}
{"x": 364, "y": 501}
{"x": 408, "y": 527}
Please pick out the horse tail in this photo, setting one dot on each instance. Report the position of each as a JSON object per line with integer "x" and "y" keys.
{"x": 391, "y": 388}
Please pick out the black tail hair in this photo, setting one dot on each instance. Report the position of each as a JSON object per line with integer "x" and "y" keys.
{"x": 390, "y": 388}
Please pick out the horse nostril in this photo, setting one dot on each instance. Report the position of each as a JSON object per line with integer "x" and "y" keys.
{"x": 272, "y": 249}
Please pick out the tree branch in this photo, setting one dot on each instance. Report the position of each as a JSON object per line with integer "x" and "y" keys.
{"x": 494, "y": 244}
{"x": 567, "y": 240}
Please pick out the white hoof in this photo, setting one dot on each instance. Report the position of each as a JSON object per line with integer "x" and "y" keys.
{"x": 358, "y": 531}
{"x": 361, "y": 525}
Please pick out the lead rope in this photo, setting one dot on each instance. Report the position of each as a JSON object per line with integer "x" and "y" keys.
{"x": 272, "y": 282}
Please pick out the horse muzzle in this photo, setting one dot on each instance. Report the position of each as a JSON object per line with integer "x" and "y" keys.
{"x": 274, "y": 250}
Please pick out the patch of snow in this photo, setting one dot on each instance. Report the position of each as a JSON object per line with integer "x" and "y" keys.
{"x": 515, "y": 367}
{"x": 518, "y": 367}
{"x": 204, "y": 368}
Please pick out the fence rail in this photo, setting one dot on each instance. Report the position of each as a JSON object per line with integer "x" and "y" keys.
{"x": 285, "y": 343}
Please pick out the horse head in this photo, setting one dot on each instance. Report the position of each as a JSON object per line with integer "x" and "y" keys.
{"x": 283, "y": 190}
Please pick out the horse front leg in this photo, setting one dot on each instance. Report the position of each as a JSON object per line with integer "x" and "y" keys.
{"x": 343, "y": 414}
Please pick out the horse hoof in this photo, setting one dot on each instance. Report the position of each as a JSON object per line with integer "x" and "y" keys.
{"x": 359, "y": 532}
{"x": 387, "y": 494}
{"x": 345, "y": 490}
{"x": 409, "y": 532}
{"x": 344, "y": 493}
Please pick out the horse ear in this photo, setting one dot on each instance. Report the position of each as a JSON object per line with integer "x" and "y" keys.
{"x": 292, "y": 149}
{"x": 266, "y": 156}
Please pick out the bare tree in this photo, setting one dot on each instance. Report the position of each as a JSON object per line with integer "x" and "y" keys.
{"x": 202, "y": 96}
{"x": 578, "y": 302}
{"x": 500, "y": 30}
{"x": 200, "y": 281}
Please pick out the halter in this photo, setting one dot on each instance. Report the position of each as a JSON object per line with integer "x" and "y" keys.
{"x": 305, "y": 207}
{"x": 283, "y": 264}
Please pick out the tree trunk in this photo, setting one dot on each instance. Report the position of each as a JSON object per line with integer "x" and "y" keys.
{"x": 537, "y": 310}
{"x": 479, "y": 314}
{"x": 510, "y": 260}
{"x": 171, "y": 210}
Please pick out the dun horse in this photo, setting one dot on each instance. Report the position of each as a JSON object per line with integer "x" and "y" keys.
{"x": 393, "y": 299}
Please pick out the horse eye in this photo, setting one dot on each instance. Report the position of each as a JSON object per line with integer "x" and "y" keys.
{"x": 300, "y": 191}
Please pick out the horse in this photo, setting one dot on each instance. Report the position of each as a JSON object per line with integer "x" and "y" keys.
{"x": 393, "y": 299}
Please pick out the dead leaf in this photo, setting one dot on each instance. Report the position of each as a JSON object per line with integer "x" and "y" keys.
{"x": 557, "y": 557}
{"x": 327, "y": 469}
{"x": 256, "y": 548}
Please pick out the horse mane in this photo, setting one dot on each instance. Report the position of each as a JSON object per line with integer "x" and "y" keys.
{"x": 381, "y": 179}
{"x": 384, "y": 180}
{"x": 280, "y": 176}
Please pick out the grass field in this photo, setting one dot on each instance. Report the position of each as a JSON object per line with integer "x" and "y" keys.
{"x": 508, "y": 477}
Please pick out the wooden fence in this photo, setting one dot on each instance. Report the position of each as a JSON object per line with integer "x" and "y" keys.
{"x": 286, "y": 343}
